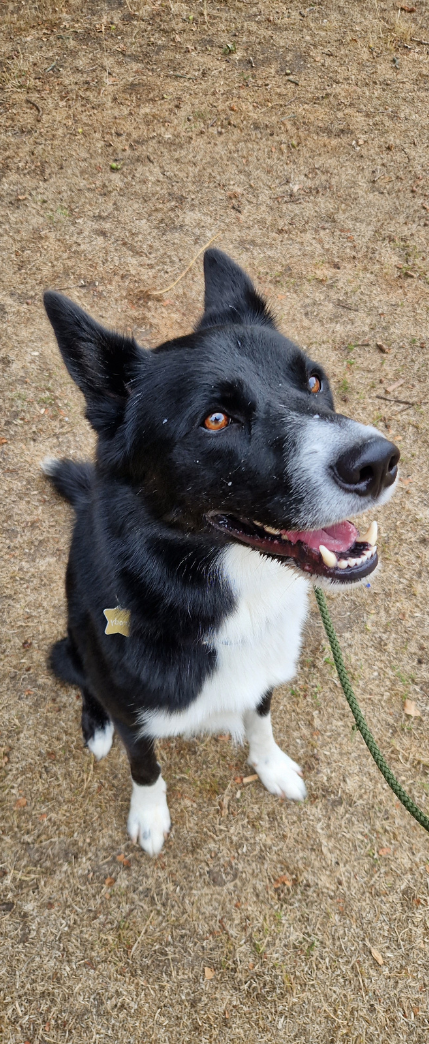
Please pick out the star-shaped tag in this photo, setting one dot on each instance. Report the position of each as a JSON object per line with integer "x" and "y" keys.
{"x": 118, "y": 621}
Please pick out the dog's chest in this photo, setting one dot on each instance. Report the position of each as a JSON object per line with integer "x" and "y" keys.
{"x": 257, "y": 647}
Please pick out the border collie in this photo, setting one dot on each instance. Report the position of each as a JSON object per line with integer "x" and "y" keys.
{"x": 220, "y": 489}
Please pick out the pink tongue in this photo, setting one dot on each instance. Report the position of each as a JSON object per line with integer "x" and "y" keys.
{"x": 337, "y": 538}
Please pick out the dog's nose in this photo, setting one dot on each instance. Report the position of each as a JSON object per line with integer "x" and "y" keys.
{"x": 369, "y": 468}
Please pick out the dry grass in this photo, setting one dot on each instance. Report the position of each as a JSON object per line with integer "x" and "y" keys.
{"x": 319, "y": 189}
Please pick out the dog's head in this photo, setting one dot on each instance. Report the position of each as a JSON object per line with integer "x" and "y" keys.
{"x": 231, "y": 431}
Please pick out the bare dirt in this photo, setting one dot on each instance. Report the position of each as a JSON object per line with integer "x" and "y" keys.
{"x": 131, "y": 134}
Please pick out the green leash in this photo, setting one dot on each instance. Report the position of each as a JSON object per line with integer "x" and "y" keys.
{"x": 365, "y": 732}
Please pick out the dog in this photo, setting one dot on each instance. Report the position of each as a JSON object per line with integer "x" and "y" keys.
{"x": 220, "y": 490}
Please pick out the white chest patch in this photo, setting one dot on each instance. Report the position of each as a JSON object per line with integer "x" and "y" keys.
{"x": 257, "y": 647}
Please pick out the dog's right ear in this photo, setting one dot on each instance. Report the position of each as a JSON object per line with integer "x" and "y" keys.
{"x": 101, "y": 362}
{"x": 230, "y": 296}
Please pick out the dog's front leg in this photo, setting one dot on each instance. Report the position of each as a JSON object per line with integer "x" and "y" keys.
{"x": 149, "y": 819}
{"x": 275, "y": 769}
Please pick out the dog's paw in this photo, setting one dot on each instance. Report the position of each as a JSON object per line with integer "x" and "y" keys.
{"x": 101, "y": 742}
{"x": 149, "y": 819}
{"x": 280, "y": 775}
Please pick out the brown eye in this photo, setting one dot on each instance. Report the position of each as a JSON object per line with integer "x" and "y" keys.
{"x": 216, "y": 421}
{"x": 314, "y": 384}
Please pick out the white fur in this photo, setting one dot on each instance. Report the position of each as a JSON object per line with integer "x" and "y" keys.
{"x": 257, "y": 647}
{"x": 49, "y": 465}
{"x": 310, "y": 460}
{"x": 275, "y": 769}
{"x": 149, "y": 819}
{"x": 101, "y": 742}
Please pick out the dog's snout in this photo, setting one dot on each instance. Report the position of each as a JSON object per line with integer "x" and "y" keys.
{"x": 367, "y": 469}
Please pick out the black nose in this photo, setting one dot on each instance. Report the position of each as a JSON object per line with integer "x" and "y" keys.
{"x": 368, "y": 469}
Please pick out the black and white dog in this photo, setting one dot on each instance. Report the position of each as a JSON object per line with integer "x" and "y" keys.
{"x": 221, "y": 483}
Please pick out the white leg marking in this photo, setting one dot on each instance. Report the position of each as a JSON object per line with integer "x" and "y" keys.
{"x": 101, "y": 742}
{"x": 275, "y": 769}
{"x": 149, "y": 819}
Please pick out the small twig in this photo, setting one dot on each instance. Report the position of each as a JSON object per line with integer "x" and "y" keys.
{"x": 425, "y": 43}
{"x": 351, "y": 308}
{"x": 403, "y": 409}
{"x": 356, "y": 344}
{"x": 72, "y": 286}
{"x": 403, "y": 402}
{"x": 159, "y": 293}
{"x": 146, "y": 925}
{"x": 224, "y": 801}
{"x": 35, "y": 106}
{"x": 224, "y": 928}
{"x": 360, "y": 980}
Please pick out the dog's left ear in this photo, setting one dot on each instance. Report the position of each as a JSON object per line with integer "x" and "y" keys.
{"x": 230, "y": 296}
{"x": 101, "y": 362}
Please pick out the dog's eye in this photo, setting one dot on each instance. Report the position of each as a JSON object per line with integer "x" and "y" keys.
{"x": 314, "y": 384}
{"x": 217, "y": 421}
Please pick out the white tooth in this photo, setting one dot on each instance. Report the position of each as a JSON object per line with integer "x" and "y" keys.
{"x": 327, "y": 556}
{"x": 270, "y": 529}
{"x": 371, "y": 536}
{"x": 342, "y": 563}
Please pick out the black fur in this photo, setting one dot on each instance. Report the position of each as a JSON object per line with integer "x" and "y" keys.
{"x": 142, "y": 537}
{"x": 72, "y": 479}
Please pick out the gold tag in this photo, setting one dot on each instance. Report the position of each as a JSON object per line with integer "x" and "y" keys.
{"x": 118, "y": 621}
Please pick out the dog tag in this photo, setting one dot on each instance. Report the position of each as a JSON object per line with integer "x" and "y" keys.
{"x": 118, "y": 621}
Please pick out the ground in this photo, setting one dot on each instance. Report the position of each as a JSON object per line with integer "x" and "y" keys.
{"x": 131, "y": 135}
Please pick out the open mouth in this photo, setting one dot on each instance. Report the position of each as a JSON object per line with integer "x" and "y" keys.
{"x": 336, "y": 552}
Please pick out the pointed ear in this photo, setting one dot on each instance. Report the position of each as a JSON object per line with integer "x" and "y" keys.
{"x": 102, "y": 363}
{"x": 230, "y": 296}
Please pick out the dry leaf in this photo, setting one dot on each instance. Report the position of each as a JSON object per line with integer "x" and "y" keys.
{"x": 109, "y": 882}
{"x": 283, "y": 880}
{"x": 250, "y": 779}
{"x": 384, "y": 851}
{"x": 209, "y": 973}
{"x": 411, "y": 708}
{"x": 21, "y": 802}
{"x": 383, "y": 347}
{"x": 376, "y": 955}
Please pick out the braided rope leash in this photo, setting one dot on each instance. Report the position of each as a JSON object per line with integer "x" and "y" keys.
{"x": 365, "y": 732}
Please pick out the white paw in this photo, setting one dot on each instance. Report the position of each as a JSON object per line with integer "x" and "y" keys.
{"x": 101, "y": 742}
{"x": 149, "y": 819}
{"x": 280, "y": 775}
